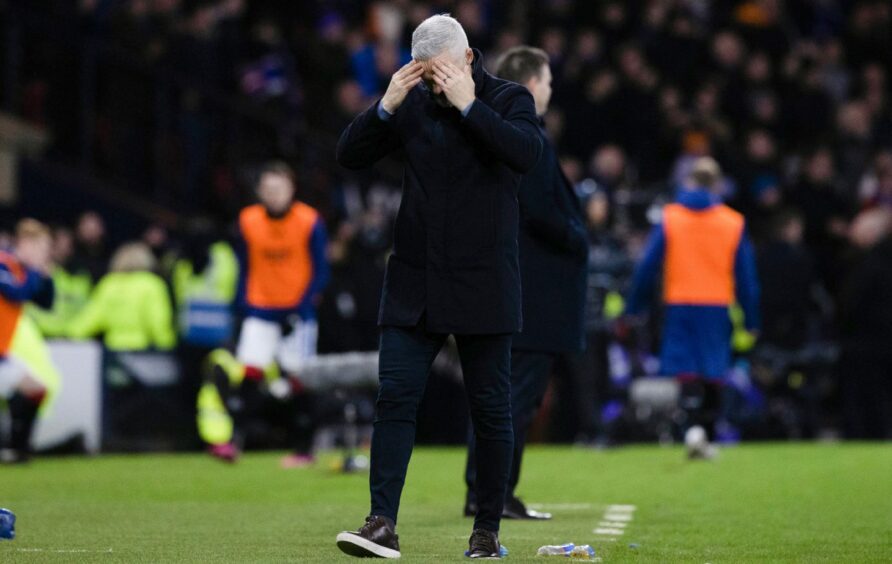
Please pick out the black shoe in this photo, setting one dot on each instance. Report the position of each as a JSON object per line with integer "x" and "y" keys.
{"x": 376, "y": 539}
{"x": 484, "y": 544}
{"x": 515, "y": 509}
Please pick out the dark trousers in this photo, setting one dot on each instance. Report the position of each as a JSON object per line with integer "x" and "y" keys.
{"x": 867, "y": 395}
{"x": 529, "y": 379}
{"x": 588, "y": 384}
{"x": 405, "y": 360}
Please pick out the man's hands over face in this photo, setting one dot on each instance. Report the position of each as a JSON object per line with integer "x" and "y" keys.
{"x": 457, "y": 84}
{"x": 401, "y": 83}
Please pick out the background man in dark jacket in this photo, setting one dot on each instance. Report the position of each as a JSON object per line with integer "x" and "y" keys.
{"x": 553, "y": 252}
{"x": 866, "y": 363}
{"x": 466, "y": 137}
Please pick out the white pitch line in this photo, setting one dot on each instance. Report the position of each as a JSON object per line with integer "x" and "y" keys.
{"x": 65, "y": 550}
{"x": 617, "y": 517}
{"x": 613, "y": 523}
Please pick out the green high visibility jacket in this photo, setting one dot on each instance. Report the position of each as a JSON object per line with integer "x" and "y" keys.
{"x": 71, "y": 296}
{"x": 218, "y": 282}
{"x": 204, "y": 300}
{"x": 29, "y": 348}
{"x": 132, "y": 310}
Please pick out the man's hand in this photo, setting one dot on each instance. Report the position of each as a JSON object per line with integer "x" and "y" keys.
{"x": 402, "y": 81}
{"x": 457, "y": 84}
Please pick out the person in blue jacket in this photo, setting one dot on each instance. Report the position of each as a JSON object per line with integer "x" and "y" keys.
{"x": 705, "y": 261}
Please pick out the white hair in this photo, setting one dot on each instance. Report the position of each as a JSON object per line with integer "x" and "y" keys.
{"x": 438, "y": 34}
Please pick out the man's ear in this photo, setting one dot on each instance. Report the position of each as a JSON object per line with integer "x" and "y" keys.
{"x": 469, "y": 56}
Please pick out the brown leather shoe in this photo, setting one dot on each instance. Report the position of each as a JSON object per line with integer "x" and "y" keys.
{"x": 376, "y": 539}
{"x": 484, "y": 544}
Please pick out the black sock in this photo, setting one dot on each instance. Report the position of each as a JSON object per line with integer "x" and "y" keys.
{"x": 303, "y": 423}
{"x": 691, "y": 402}
{"x": 23, "y": 412}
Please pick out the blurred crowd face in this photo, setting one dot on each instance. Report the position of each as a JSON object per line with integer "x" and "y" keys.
{"x": 728, "y": 50}
{"x": 90, "y": 229}
{"x": 63, "y": 245}
{"x": 792, "y": 231}
{"x": 35, "y": 251}
{"x": 540, "y": 87}
{"x": 609, "y": 164}
{"x": 588, "y": 45}
{"x": 597, "y": 210}
{"x": 276, "y": 192}
{"x": 819, "y": 170}
{"x": 155, "y": 236}
{"x": 758, "y": 68}
{"x": 350, "y": 98}
{"x": 554, "y": 43}
{"x": 760, "y": 146}
{"x": 870, "y": 227}
{"x": 853, "y": 120}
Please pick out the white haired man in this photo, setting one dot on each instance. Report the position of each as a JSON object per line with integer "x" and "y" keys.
{"x": 467, "y": 138}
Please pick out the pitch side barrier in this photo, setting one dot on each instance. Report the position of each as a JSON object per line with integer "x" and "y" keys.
{"x": 327, "y": 372}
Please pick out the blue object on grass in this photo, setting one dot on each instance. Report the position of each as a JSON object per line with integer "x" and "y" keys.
{"x": 7, "y": 524}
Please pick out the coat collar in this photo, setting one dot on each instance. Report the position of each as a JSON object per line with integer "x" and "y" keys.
{"x": 477, "y": 71}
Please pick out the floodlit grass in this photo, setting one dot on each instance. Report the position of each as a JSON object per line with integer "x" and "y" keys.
{"x": 760, "y": 503}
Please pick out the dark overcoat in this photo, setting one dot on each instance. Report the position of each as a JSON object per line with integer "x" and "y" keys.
{"x": 454, "y": 258}
{"x": 553, "y": 259}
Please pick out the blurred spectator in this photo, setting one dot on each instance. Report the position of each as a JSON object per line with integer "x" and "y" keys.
{"x": 130, "y": 306}
{"x": 609, "y": 269}
{"x": 759, "y": 180}
{"x": 787, "y": 279}
{"x": 825, "y": 212}
{"x": 72, "y": 287}
{"x": 875, "y": 185}
{"x": 204, "y": 278}
{"x": 23, "y": 277}
{"x": 608, "y": 168}
{"x": 156, "y": 238}
{"x": 90, "y": 252}
{"x": 866, "y": 363}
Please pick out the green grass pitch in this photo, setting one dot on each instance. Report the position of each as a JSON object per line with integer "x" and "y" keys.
{"x": 756, "y": 503}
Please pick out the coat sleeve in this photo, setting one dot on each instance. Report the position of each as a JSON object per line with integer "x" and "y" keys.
{"x": 33, "y": 287}
{"x": 366, "y": 140}
{"x": 542, "y": 216}
{"x": 91, "y": 320}
{"x": 647, "y": 273}
{"x": 746, "y": 283}
{"x": 514, "y": 137}
{"x": 159, "y": 317}
{"x": 321, "y": 270}
{"x": 240, "y": 248}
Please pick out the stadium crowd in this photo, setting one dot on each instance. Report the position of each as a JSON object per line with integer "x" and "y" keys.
{"x": 791, "y": 97}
